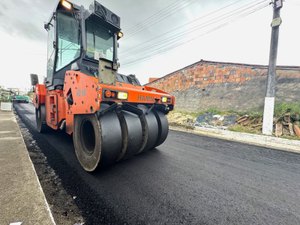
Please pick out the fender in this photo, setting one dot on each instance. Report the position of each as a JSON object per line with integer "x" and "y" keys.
{"x": 81, "y": 93}
{"x": 39, "y": 97}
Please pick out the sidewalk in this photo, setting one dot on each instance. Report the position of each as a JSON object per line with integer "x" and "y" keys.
{"x": 21, "y": 196}
{"x": 252, "y": 139}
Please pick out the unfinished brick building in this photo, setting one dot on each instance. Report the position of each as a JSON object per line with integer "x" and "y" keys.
{"x": 228, "y": 86}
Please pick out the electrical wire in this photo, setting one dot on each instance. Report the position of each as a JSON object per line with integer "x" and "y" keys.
{"x": 176, "y": 45}
{"x": 163, "y": 41}
{"x": 174, "y": 34}
{"x": 157, "y": 18}
{"x": 178, "y": 36}
{"x": 183, "y": 25}
{"x": 129, "y": 29}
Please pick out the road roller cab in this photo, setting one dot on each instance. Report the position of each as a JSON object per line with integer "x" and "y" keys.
{"x": 110, "y": 115}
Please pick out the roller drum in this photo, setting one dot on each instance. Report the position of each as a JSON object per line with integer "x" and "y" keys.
{"x": 152, "y": 128}
{"x": 116, "y": 134}
{"x": 111, "y": 138}
{"x": 132, "y": 134}
{"x": 163, "y": 127}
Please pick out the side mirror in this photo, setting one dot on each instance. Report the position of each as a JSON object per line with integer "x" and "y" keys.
{"x": 34, "y": 79}
{"x": 46, "y": 26}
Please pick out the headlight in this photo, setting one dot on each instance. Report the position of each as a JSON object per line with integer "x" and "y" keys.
{"x": 164, "y": 99}
{"x": 120, "y": 35}
{"x": 66, "y": 4}
{"x": 122, "y": 95}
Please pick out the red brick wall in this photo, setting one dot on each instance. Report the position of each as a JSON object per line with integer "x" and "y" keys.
{"x": 152, "y": 79}
{"x": 214, "y": 75}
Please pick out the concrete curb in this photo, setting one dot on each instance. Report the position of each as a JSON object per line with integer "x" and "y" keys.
{"x": 37, "y": 179}
{"x": 21, "y": 195}
{"x": 252, "y": 139}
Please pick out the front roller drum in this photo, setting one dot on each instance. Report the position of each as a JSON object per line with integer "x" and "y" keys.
{"x": 97, "y": 142}
{"x": 87, "y": 141}
{"x": 117, "y": 135}
{"x": 163, "y": 127}
{"x": 157, "y": 128}
{"x": 132, "y": 134}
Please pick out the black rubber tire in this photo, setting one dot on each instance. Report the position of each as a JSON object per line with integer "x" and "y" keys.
{"x": 40, "y": 116}
{"x": 163, "y": 125}
{"x": 132, "y": 134}
{"x": 87, "y": 141}
{"x": 152, "y": 129}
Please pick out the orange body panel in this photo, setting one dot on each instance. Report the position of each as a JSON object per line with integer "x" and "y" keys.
{"x": 39, "y": 95}
{"x": 84, "y": 91}
{"x": 83, "y": 94}
{"x": 55, "y": 108}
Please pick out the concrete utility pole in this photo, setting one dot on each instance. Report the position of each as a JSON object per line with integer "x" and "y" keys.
{"x": 270, "y": 94}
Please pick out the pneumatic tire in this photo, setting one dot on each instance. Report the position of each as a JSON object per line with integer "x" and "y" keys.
{"x": 87, "y": 141}
{"x": 40, "y": 116}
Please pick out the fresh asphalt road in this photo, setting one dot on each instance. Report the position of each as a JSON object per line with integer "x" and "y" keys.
{"x": 189, "y": 180}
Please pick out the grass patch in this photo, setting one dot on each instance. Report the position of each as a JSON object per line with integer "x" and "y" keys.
{"x": 244, "y": 129}
{"x": 252, "y": 125}
{"x": 282, "y": 108}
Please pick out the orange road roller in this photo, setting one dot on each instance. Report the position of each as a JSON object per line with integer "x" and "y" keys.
{"x": 111, "y": 116}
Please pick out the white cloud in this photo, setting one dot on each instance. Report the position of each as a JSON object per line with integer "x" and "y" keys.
{"x": 23, "y": 39}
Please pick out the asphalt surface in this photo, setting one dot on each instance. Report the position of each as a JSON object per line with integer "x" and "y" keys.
{"x": 189, "y": 179}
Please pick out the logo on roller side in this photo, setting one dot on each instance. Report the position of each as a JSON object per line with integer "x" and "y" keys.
{"x": 81, "y": 92}
{"x": 145, "y": 98}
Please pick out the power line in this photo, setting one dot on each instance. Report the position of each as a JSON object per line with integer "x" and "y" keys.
{"x": 171, "y": 32}
{"x": 157, "y": 17}
{"x": 215, "y": 20}
{"x": 170, "y": 40}
{"x": 175, "y": 45}
{"x": 152, "y": 16}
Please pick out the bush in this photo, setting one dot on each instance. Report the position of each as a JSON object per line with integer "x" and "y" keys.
{"x": 282, "y": 108}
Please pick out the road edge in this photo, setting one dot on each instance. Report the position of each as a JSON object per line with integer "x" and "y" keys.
{"x": 36, "y": 176}
{"x": 252, "y": 139}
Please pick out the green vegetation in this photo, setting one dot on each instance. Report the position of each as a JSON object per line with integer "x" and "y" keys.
{"x": 5, "y": 96}
{"x": 244, "y": 129}
{"x": 214, "y": 111}
{"x": 282, "y": 108}
{"x": 247, "y": 122}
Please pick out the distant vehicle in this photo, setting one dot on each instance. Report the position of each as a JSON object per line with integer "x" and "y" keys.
{"x": 21, "y": 99}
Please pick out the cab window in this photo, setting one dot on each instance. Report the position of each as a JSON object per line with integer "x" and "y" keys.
{"x": 68, "y": 40}
{"x": 100, "y": 41}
